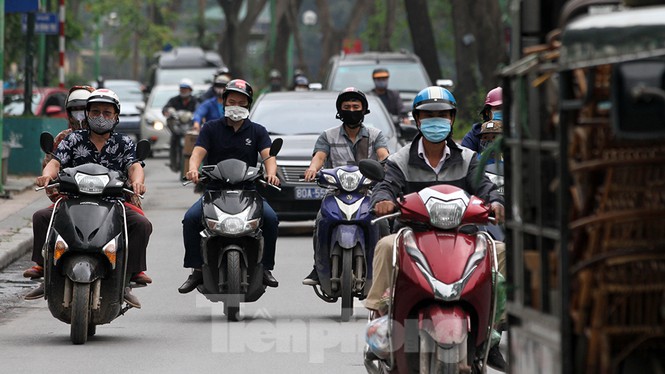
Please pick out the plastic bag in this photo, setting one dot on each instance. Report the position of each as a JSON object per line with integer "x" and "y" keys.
{"x": 377, "y": 337}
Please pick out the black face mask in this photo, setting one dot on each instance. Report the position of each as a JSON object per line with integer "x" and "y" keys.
{"x": 352, "y": 118}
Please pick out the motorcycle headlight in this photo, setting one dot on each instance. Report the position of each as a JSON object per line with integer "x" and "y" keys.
{"x": 445, "y": 214}
{"x": 349, "y": 181}
{"x": 91, "y": 184}
{"x": 232, "y": 224}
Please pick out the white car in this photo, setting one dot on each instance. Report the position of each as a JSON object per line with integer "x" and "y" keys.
{"x": 153, "y": 122}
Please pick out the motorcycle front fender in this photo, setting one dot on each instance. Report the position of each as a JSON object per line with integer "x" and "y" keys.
{"x": 347, "y": 236}
{"x": 83, "y": 269}
{"x": 447, "y": 325}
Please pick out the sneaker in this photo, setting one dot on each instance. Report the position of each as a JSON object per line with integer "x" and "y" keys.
{"x": 312, "y": 279}
{"x": 141, "y": 278}
{"x": 34, "y": 272}
{"x": 35, "y": 293}
{"x": 495, "y": 359}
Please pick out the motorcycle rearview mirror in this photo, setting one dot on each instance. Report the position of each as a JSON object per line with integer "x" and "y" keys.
{"x": 372, "y": 169}
{"x": 142, "y": 149}
{"x": 276, "y": 146}
{"x": 46, "y": 142}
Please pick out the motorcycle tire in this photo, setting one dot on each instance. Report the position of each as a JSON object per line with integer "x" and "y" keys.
{"x": 233, "y": 284}
{"x": 80, "y": 307}
{"x": 347, "y": 285}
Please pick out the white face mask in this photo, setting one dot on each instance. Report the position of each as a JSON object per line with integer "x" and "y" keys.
{"x": 236, "y": 113}
{"x": 78, "y": 115}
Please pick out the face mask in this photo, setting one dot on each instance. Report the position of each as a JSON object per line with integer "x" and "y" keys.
{"x": 100, "y": 125}
{"x": 484, "y": 144}
{"x": 497, "y": 116}
{"x": 218, "y": 91}
{"x": 185, "y": 95}
{"x": 352, "y": 118}
{"x": 79, "y": 116}
{"x": 435, "y": 129}
{"x": 236, "y": 113}
{"x": 381, "y": 83}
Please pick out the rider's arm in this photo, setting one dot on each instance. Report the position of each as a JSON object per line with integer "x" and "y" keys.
{"x": 49, "y": 173}
{"x": 137, "y": 178}
{"x": 271, "y": 167}
{"x": 384, "y": 194}
{"x": 382, "y": 153}
{"x": 317, "y": 163}
{"x": 199, "y": 114}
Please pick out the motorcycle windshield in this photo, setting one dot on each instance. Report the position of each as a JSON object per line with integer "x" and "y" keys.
{"x": 87, "y": 224}
{"x": 233, "y": 171}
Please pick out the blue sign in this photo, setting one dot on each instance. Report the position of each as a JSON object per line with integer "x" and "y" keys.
{"x": 45, "y": 23}
{"x": 21, "y": 6}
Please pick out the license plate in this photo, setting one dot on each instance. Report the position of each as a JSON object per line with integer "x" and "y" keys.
{"x": 309, "y": 193}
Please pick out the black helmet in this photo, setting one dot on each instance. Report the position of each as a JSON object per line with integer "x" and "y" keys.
{"x": 350, "y": 93}
{"x": 241, "y": 86}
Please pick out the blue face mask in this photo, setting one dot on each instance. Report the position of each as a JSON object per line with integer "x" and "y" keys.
{"x": 497, "y": 116}
{"x": 435, "y": 129}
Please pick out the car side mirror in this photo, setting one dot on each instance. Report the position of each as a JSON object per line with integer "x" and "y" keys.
{"x": 46, "y": 142}
{"x": 372, "y": 169}
{"x": 140, "y": 107}
{"x": 52, "y": 110}
{"x": 142, "y": 149}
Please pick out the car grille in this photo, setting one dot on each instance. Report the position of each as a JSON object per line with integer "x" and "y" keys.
{"x": 293, "y": 173}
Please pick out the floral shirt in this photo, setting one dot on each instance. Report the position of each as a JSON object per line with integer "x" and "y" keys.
{"x": 76, "y": 149}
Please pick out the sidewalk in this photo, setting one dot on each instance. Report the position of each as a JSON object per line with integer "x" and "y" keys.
{"x": 16, "y": 209}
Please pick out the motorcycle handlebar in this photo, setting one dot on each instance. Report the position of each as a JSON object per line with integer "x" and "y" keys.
{"x": 387, "y": 216}
{"x": 133, "y": 193}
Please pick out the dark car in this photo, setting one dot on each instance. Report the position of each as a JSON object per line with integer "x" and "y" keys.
{"x": 46, "y": 101}
{"x": 407, "y": 74}
{"x": 299, "y": 118}
{"x": 131, "y": 95}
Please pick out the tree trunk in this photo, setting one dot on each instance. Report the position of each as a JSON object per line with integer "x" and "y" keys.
{"x": 466, "y": 57}
{"x": 490, "y": 38}
{"x": 389, "y": 26}
{"x": 233, "y": 42}
{"x": 422, "y": 36}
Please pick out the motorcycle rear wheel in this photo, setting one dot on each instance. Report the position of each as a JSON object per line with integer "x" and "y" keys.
{"x": 80, "y": 312}
{"x": 233, "y": 284}
{"x": 347, "y": 285}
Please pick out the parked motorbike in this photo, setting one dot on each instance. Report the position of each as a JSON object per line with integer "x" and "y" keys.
{"x": 345, "y": 237}
{"x": 232, "y": 240}
{"x": 178, "y": 123}
{"x": 443, "y": 294}
{"x": 86, "y": 247}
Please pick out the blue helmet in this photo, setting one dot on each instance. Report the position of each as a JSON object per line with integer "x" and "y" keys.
{"x": 434, "y": 98}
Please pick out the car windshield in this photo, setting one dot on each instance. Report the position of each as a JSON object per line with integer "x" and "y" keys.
{"x": 13, "y": 104}
{"x": 197, "y": 75}
{"x": 403, "y": 77}
{"x": 161, "y": 97}
{"x": 283, "y": 116}
{"x": 127, "y": 92}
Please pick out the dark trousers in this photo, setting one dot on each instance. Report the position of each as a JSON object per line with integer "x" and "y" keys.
{"x": 139, "y": 229}
{"x": 192, "y": 226}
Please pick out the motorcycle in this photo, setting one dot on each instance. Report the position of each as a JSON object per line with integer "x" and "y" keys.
{"x": 345, "y": 238}
{"x": 443, "y": 293}
{"x": 178, "y": 123}
{"x": 86, "y": 248}
{"x": 232, "y": 241}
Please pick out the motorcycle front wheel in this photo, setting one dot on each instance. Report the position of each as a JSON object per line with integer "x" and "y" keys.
{"x": 233, "y": 284}
{"x": 347, "y": 285}
{"x": 80, "y": 306}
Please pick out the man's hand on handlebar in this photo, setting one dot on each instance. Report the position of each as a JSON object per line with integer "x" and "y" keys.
{"x": 310, "y": 174}
{"x": 43, "y": 181}
{"x": 384, "y": 207}
{"x": 193, "y": 175}
{"x": 499, "y": 213}
{"x": 272, "y": 179}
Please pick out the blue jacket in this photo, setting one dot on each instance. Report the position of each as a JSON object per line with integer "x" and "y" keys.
{"x": 209, "y": 110}
{"x": 472, "y": 138}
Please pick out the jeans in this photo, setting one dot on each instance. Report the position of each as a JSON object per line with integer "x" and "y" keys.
{"x": 192, "y": 225}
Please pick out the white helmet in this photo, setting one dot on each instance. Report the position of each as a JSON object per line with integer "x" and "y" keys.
{"x": 186, "y": 83}
{"x": 103, "y": 95}
{"x": 78, "y": 96}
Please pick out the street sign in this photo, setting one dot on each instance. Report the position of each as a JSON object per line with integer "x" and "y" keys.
{"x": 21, "y": 6}
{"x": 45, "y": 23}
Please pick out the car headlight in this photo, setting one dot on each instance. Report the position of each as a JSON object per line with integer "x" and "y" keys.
{"x": 91, "y": 184}
{"x": 158, "y": 125}
{"x": 349, "y": 181}
{"x": 232, "y": 224}
{"x": 445, "y": 214}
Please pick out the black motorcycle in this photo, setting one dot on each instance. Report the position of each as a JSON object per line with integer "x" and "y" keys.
{"x": 178, "y": 123}
{"x": 86, "y": 248}
{"x": 232, "y": 240}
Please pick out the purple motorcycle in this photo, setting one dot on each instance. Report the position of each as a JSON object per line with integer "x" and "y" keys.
{"x": 345, "y": 238}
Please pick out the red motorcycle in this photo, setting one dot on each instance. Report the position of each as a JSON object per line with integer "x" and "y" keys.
{"x": 443, "y": 293}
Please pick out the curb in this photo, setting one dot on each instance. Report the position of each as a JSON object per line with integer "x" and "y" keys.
{"x": 17, "y": 245}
